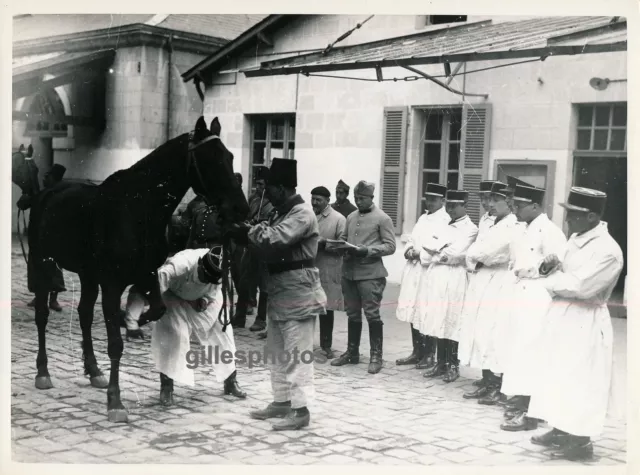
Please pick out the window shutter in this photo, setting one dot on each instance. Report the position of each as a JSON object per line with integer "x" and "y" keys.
{"x": 474, "y": 156}
{"x": 394, "y": 145}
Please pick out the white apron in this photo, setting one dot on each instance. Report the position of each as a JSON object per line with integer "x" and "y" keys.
{"x": 572, "y": 391}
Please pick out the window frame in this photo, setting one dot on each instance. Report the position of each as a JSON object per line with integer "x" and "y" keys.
{"x": 550, "y": 165}
{"x": 591, "y": 152}
{"x": 445, "y": 142}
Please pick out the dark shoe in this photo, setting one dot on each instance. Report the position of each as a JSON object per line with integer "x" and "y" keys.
{"x": 452, "y": 374}
{"x": 258, "y": 325}
{"x": 53, "y": 302}
{"x": 519, "y": 423}
{"x": 32, "y": 304}
{"x": 352, "y": 355}
{"x": 493, "y": 398}
{"x": 272, "y": 411}
{"x": 574, "y": 449}
{"x": 437, "y": 370}
{"x": 232, "y": 387}
{"x": 553, "y": 438}
{"x": 415, "y": 356}
{"x": 328, "y": 353}
{"x": 479, "y": 393}
{"x": 375, "y": 341}
{"x": 512, "y": 412}
{"x": 478, "y": 383}
{"x": 251, "y": 310}
{"x": 262, "y": 335}
{"x": 166, "y": 390}
{"x": 427, "y": 362}
{"x": 294, "y": 420}
{"x": 515, "y": 401}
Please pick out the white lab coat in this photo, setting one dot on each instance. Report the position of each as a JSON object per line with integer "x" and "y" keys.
{"x": 521, "y": 348}
{"x": 486, "y": 307}
{"x": 170, "y": 338}
{"x": 572, "y": 390}
{"x": 409, "y": 299}
{"x": 445, "y": 283}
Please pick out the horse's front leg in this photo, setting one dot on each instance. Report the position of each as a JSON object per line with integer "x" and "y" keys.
{"x": 157, "y": 307}
{"x": 111, "y": 305}
{"x": 43, "y": 379}
{"x": 88, "y": 297}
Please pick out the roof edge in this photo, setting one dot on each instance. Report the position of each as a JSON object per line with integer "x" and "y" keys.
{"x": 125, "y": 36}
{"x": 232, "y": 46}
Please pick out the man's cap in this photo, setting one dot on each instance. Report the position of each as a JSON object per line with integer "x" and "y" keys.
{"x": 529, "y": 194}
{"x": 57, "y": 171}
{"x": 321, "y": 191}
{"x": 342, "y": 185}
{"x": 364, "y": 188}
{"x": 284, "y": 171}
{"x": 501, "y": 189}
{"x": 585, "y": 199}
{"x": 435, "y": 189}
{"x": 260, "y": 172}
{"x": 457, "y": 196}
{"x": 485, "y": 186}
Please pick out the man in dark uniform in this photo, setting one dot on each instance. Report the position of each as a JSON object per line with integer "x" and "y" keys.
{"x": 342, "y": 204}
{"x": 51, "y": 178}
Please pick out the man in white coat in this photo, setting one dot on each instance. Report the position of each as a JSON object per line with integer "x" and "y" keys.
{"x": 191, "y": 288}
{"x": 410, "y": 298}
{"x": 537, "y": 239}
{"x": 447, "y": 284}
{"x": 573, "y": 396}
{"x": 331, "y": 225}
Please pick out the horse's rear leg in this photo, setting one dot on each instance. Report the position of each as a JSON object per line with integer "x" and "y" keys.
{"x": 111, "y": 306}
{"x": 88, "y": 297}
{"x": 43, "y": 379}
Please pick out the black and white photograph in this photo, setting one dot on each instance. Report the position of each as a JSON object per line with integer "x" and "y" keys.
{"x": 273, "y": 239}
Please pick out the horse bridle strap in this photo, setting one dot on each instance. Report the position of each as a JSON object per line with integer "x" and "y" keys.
{"x": 202, "y": 142}
{"x": 192, "y": 158}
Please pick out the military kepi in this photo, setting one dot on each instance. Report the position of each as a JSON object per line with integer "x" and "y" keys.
{"x": 585, "y": 199}
{"x": 485, "y": 186}
{"x": 501, "y": 189}
{"x": 434, "y": 189}
{"x": 529, "y": 194}
{"x": 284, "y": 172}
{"x": 457, "y": 196}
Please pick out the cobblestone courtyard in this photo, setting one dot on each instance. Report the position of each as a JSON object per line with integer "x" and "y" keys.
{"x": 395, "y": 417}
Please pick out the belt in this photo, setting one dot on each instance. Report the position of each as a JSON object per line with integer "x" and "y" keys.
{"x": 279, "y": 267}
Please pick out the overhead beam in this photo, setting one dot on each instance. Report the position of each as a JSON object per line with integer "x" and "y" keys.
{"x": 452, "y": 75}
{"x": 75, "y": 120}
{"x": 270, "y": 68}
{"x": 36, "y": 85}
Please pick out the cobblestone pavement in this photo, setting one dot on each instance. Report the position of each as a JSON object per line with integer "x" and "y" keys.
{"x": 395, "y": 417}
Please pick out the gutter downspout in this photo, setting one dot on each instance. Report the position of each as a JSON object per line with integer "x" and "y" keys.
{"x": 169, "y": 47}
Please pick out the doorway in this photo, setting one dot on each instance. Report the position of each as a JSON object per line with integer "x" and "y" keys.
{"x": 608, "y": 174}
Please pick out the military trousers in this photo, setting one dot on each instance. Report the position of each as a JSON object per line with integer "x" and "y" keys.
{"x": 363, "y": 295}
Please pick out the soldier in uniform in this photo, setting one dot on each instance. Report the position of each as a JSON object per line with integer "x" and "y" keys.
{"x": 342, "y": 204}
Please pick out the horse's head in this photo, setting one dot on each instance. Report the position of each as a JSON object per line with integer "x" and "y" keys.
{"x": 211, "y": 171}
{"x": 24, "y": 173}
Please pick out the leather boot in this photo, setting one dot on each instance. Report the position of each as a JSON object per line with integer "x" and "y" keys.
{"x": 53, "y": 302}
{"x": 575, "y": 448}
{"x": 483, "y": 387}
{"x": 519, "y": 422}
{"x": 416, "y": 355}
{"x": 439, "y": 367}
{"x": 494, "y": 396}
{"x": 296, "y": 419}
{"x": 166, "y": 390}
{"x": 428, "y": 360}
{"x": 240, "y": 317}
{"x": 32, "y": 304}
{"x": 352, "y": 355}
{"x": 272, "y": 411}
{"x": 260, "y": 323}
{"x": 375, "y": 341}
{"x": 553, "y": 438}
{"x": 326, "y": 334}
{"x": 453, "y": 371}
{"x": 232, "y": 387}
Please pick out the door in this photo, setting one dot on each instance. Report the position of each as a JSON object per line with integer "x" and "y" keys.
{"x": 608, "y": 175}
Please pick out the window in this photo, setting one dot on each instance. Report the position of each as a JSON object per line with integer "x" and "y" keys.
{"x": 539, "y": 173}
{"x": 428, "y": 20}
{"x": 602, "y": 128}
{"x": 271, "y": 137}
{"x": 440, "y": 149}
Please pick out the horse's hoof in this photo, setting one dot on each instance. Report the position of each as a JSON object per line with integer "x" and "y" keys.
{"x": 43, "y": 382}
{"x": 118, "y": 415}
{"x": 99, "y": 382}
{"x": 135, "y": 335}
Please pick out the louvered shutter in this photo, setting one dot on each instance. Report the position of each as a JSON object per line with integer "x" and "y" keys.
{"x": 474, "y": 156}
{"x": 394, "y": 145}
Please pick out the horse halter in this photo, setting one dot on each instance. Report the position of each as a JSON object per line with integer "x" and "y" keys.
{"x": 191, "y": 158}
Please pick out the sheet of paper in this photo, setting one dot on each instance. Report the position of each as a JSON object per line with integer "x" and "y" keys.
{"x": 336, "y": 244}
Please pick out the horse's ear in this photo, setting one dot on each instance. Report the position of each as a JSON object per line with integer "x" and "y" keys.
{"x": 215, "y": 126}
{"x": 201, "y": 126}
{"x": 30, "y": 151}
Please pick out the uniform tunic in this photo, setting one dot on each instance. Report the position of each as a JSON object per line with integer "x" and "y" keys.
{"x": 573, "y": 393}
{"x": 521, "y": 349}
{"x": 410, "y": 299}
{"x": 332, "y": 225}
{"x": 445, "y": 283}
{"x": 486, "y": 306}
{"x": 171, "y": 335}
{"x": 345, "y": 209}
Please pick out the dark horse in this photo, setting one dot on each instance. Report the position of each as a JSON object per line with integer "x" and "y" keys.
{"x": 113, "y": 235}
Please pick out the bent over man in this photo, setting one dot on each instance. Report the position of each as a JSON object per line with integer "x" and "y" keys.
{"x": 191, "y": 289}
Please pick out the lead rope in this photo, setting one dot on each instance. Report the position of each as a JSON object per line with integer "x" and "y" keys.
{"x": 225, "y": 316}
